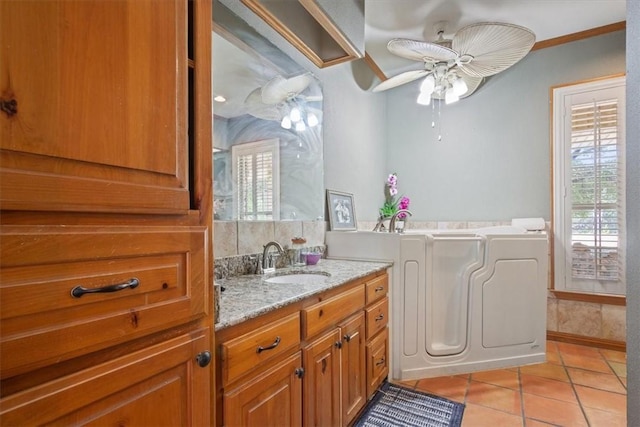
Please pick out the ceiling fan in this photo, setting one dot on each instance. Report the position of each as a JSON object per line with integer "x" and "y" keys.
{"x": 455, "y": 68}
{"x": 283, "y": 99}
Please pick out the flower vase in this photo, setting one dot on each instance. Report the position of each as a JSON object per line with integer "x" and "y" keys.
{"x": 399, "y": 226}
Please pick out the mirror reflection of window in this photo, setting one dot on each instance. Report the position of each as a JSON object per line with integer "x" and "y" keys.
{"x": 256, "y": 172}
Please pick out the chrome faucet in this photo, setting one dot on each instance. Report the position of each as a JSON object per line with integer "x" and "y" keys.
{"x": 392, "y": 223}
{"x": 268, "y": 263}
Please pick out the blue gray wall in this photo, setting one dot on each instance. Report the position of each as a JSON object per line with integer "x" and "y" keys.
{"x": 633, "y": 213}
{"x": 493, "y": 162}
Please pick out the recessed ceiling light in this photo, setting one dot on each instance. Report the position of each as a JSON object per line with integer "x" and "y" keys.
{"x": 219, "y": 98}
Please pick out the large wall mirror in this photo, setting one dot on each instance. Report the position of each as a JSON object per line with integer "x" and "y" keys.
{"x": 267, "y": 128}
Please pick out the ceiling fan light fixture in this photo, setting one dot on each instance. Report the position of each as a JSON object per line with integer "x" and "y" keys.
{"x": 295, "y": 115}
{"x": 300, "y": 126}
{"x": 428, "y": 85}
{"x": 312, "y": 120}
{"x": 424, "y": 98}
{"x": 286, "y": 122}
{"x": 459, "y": 87}
{"x": 450, "y": 96}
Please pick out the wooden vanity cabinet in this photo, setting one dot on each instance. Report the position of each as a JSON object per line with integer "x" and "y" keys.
{"x": 106, "y": 305}
{"x": 331, "y": 357}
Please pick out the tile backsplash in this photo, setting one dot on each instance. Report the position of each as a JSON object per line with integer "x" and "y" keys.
{"x": 231, "y": 238}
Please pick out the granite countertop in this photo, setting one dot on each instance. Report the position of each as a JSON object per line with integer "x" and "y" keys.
{"x": 246, "y": 297}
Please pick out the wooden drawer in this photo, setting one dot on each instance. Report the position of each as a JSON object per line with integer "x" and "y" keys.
{"x": 377, "y": 317}
{"x": 377, "y": 361}
{"x": 41, "y": 266}
{"x": 131, "y": 390}
{"x": 243, "y": 354}
{"x": 377, "y": 288}
{"x": 327, "y": 313}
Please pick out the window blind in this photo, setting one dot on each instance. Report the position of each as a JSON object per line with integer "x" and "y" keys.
{"x": 596, "y": 182}
{"x": 256, "y": 183}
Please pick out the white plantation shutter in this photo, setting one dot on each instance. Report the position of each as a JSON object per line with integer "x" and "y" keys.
{"x": 589, "y": 187}
{"x": 596, "y": 175}
{"x": 256, "y": 180}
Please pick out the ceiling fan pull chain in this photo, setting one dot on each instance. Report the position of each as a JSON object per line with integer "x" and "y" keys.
{"x": 440, "y": 120}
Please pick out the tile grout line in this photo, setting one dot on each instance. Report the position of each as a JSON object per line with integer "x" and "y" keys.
{"x": 573, "y": 387}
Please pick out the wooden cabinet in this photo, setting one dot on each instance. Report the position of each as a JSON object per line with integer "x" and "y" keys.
{"x": 377, "y": 333}
{"x": 106, "y": 305}
{"x": 322, "y": 378}
{"x": 158, "y": 385}
{"x": 377, "y": 361}
{"x": 100, "y": 92}
{"x": 243, "y": 354}
{"x": 326, "y": 32}
{"x": 340, "y": 367}
{"x": 353, "y": 378}
{"x": 271, "y": 398}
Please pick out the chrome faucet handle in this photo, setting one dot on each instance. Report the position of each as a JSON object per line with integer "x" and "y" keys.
{"x": 267, "y": 258}
{"x": 392, "y": 223}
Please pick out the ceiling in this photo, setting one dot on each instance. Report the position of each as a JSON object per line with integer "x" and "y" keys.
{"x": 416, "y": 19}
{"x": 242, "y": 70}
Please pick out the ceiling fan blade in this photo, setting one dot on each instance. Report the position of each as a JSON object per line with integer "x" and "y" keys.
{"x": 420, "y": 51}
{"x": 280, "y": 89}
{"x": 259, "y": 109}
{"x": 400, "y": 79}
{"x": 493, "y": 46}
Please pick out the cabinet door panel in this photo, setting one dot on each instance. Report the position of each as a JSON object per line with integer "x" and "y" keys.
{"x": 160, "y": 385}
{"x": 322, "y": 380}
{"x": 273, "y": 398}
{"x": 377, "y": 361}
{"x": 96, "y": 128}
{"x": 353, "y": 367}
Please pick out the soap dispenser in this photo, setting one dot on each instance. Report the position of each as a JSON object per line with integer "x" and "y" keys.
{"x": 297, "y": 257}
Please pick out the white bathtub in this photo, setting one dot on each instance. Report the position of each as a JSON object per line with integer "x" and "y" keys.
{"x": 461, "y": 300}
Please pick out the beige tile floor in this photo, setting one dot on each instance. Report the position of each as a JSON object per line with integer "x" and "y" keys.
{"x": 577, "y": 386}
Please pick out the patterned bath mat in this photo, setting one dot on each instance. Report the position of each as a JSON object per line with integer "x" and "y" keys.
{"x": 396, "y": 406}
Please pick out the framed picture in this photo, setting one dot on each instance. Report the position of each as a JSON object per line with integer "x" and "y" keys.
{"x": 342, "y": 211}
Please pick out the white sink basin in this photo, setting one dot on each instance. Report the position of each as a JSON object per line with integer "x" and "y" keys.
{"x": 299, "y": 278}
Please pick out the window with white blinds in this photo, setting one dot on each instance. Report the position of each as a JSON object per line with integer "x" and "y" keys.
{"x": 589, "y": 187}
{"x": 256, "y": 173}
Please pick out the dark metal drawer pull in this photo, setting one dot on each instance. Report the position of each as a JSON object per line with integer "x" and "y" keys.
{"x": 78, "y": 291}
{"x": 269, "y": 347}
{"x": 379, "y": 288}
{"x": 379, "y": 317}
{"x": 381, "y": 362}
{"x": 348, "y": 338}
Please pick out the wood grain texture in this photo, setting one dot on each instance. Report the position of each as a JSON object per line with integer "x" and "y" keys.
{"x": 323, "y": 315}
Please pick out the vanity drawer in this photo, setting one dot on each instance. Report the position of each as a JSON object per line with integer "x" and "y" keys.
{"x": 377, "y": 361}
{"x": 243, "y": 354}
{"x": 377, "y": 288}
{"x": 161, "y": 270}
{"x": 327, "y": 313}
{"x": 377, "y": 317}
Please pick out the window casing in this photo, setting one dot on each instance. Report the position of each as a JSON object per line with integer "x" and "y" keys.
{"x": 256, "y": 180}
{"x": 588, "y": 181}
